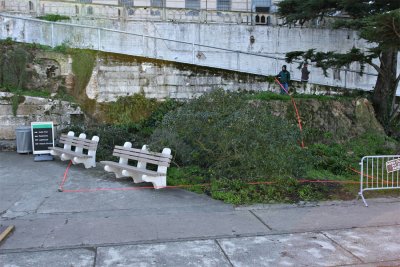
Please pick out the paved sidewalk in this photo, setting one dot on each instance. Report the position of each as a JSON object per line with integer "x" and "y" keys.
{"x": 173, "y": 227}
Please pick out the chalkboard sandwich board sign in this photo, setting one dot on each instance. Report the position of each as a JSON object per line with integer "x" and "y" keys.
{"x": 42, "y": 139}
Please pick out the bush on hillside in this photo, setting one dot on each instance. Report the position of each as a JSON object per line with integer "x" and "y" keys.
{"x": 234, "y": 139}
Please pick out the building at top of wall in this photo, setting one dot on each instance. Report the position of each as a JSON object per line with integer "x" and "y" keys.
{"x": 265, "y": 6}
{"x": 250, "y": 12}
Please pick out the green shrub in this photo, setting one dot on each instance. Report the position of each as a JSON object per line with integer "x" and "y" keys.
{"x": 372, "y": 144}
{"x": 224, "y": 132}
{"x": 330, "y": 157}
{"x": 14, "y": 74}
{"x": 155, "y": 119}
{"x": 63, "y": 95}
{"x": 337, "y": 159}
{"x": 190, "y": 175}
{"x": 312, "y": 192}
{"x": 280, "y": 190}
{"x": 269, "y": 96}
{"x": 7, "y": 42}
{"x": 53, "y": 17}
{"x": 63, "y": 48}
{"x": 131, "y": 109}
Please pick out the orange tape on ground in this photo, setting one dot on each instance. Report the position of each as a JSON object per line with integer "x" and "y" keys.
{"x": 83, "y": 190}
{"x": 61, "y": 187}
{"x": 128, "y": 188}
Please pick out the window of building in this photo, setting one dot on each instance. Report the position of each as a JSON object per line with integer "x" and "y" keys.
{"x": 224, "y": 5}
{"x": 192, "y": 4}
{"x": 336, "y": 74}
{"x": 268, "y": 20}
{"x": 31, "y": 6}
{"x": 90, "y": 10}
{"x": 126, "y": 3}
{"x": 157, "y": 3}
{"x": 84, "y": 1}
{"x": 76, "y": 10}
{"x": 262, "y": 19}
{"x": 262, "y": 6}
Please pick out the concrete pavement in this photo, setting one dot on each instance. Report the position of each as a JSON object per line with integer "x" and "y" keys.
{"x": 173, "y": 227}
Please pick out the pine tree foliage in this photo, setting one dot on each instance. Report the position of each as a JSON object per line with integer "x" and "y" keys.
{"x": 377, "y": 21}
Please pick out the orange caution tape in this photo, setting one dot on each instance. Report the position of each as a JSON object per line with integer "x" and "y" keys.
{"x": 295, "y": 108}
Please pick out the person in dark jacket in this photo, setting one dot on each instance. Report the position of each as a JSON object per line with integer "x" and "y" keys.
{"x": 305, "y": 73}
{"x": 284, "y": 78}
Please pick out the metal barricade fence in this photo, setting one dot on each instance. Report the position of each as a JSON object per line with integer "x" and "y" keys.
{"x": 379, "y": 173}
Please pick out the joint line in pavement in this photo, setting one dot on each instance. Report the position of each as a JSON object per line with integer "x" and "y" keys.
{"x": 258, "y": 218}
{"x": 337, "y": 244}
{"x": 223, "y": 252}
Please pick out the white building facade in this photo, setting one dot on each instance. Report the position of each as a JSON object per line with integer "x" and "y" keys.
{"x": 250, "y": 12}
{"x": 221, "y": 5}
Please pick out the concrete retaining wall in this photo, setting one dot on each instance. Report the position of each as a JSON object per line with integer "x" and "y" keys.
{"x": 197, "y": 45}
{"x": 113, "y": 77}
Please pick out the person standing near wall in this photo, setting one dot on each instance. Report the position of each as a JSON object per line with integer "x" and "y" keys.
{"x": 305, "y": 73}
{"x": 284, "y": 78}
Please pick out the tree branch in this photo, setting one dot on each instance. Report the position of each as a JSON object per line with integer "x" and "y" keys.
{"x": 376, "y": 67}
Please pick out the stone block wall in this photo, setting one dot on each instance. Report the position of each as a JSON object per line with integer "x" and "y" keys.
{"x": 113, "y": 77}
{"x": 34, "y": 109}
{"x": 160, "y": 80}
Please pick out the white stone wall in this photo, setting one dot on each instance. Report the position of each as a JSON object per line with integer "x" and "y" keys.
{"x": 31, "y": 110}
{"x": 213, "y": 45}
{"x": 112, "y": 78}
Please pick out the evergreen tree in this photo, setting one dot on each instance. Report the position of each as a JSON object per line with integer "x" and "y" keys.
{"x": 378, "y": 22}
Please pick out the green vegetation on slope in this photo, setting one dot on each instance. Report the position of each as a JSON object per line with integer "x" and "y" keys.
{"x": 238, "y": 147}
{"x": 235, "y": 150}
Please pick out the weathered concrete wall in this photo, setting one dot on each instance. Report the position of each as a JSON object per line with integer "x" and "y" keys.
{"x": 64, "y": 61}
{"x": 112, "y": 78}
{"x": 271, "y": 43}
{"x": 50, "y": 70}
{"x": 117, "y": 75}
{"x": 34, "y": 109}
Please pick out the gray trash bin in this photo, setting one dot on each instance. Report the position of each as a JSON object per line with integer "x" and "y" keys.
{"x": 23, "y": 139}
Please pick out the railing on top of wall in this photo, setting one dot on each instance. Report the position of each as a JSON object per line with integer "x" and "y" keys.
{"x": 72, "y": 9}
{"x": 122, "y": 42}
